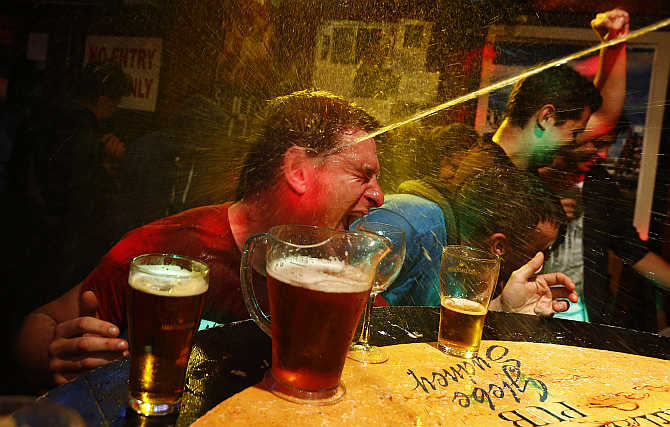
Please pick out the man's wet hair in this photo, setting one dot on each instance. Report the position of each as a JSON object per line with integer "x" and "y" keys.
{"x": 310, "y": 119}
{"x": 503, "y": 200}
{"x": 102, "y": 79}
{"x": 442, "y": 142}
{"x": 563, "y": 87}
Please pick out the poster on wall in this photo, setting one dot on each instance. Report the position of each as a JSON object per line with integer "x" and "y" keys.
{"x": 140, "y": 58}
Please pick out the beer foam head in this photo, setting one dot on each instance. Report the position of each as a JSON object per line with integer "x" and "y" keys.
{"x": 332, "y": 276}
{"x": 463, "y": 305}
{"x": 167, "y": 280}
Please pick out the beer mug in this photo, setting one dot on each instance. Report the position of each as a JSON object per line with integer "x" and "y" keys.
{"x": 468, "y": 277}
{"x": 318, "y": 281}
{"x": 165, "y": 302}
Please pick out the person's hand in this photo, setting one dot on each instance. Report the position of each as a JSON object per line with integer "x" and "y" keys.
{"x": 611, "y": 24}
{"x": 113, "y": 145}
{"x": 529, "y": 294}
{"x": 84, "y": 343}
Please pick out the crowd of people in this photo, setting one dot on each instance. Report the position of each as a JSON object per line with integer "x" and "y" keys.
{"x": 311, "y": 164}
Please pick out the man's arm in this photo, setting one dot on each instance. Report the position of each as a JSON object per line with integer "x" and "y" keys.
{"x": 654, "y": 268}
{"x": 63, "y": 339}
{"x": 529, "y": 294}
{"x": 611, "y": 76}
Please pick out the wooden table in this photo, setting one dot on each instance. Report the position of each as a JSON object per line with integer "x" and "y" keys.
{"x": 230, "y": 358}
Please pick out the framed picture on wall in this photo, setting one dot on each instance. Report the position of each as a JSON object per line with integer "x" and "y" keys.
{"x": 510, "y": 50}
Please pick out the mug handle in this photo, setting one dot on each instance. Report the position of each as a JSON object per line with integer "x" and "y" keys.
{"x": 246, "y": 282}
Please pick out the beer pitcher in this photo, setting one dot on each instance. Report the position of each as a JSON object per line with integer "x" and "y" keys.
{"x": 318, "y": 281}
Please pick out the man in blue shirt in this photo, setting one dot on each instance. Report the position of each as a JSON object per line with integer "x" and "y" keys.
{"x": 424, "y": 212}
{"x": 418, "y": 283}
{"x": 501, "y": 210}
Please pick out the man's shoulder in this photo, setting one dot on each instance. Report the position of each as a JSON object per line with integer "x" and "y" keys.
{"x": 187, "y": 233}
{"x": 480, "y": 157}
{"x": 486, "y": 153}
{"x": 415, "y": 214}
{"x": 409, "y": 204}
{"x": 215, "y": 216}
{"x": 204, "y": 226}
{"x": 483, "y": 156}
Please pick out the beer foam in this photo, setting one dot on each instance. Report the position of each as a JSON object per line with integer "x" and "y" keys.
{"x": 331, "y": 276}
{"x": 167, "y": 280}
{"x": 463, "y": 305}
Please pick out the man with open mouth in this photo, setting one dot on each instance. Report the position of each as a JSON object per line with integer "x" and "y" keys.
{"x": 310, "y": 165}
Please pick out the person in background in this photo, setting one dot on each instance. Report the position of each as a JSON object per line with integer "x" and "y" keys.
{"x": 557, "y": 109}
{"x": 545, "y": 113}
{"x": 186, "y": 165}
{"x": 511, "y": 214}
{"x": 600, "y": 221}
{"x": 501, "y": 210}
{"x": 425, "y": 201}
{"x": 66, "y": 167}
{"x": 306, "y": 167}
{"x": 441, "y": 152}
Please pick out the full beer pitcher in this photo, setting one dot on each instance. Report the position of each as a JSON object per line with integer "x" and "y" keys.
{"x": 318, "y": 281}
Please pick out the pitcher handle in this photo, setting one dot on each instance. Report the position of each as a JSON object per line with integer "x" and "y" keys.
{"x": 246, "y": 282}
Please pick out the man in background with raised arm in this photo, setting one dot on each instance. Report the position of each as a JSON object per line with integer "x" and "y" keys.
{"x": 546, "y": 113}
{"x": 558, "y": 109}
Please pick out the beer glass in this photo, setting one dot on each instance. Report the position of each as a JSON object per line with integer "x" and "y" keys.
{"x": 318, "y": 281}
{"x": 165, "y": 302}
{"x": 387, "y": 271}
{"x": 468, "y": 277}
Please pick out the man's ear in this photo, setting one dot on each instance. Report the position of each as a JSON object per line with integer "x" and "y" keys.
{"x": 298, "y": 169}
{"x": 498, "y": 243}
{"x": 546, "y": 116}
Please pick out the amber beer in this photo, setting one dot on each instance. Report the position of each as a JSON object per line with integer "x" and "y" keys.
{"x": 165, "y": 304}
{"x": 315, "y": 307}
{"x": 461, "y": 325}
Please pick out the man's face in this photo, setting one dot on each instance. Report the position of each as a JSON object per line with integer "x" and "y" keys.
{"x": 584, "y": 156}
{"x": 346, "y": 185}
{"x": 557, "y": 138}
{"x": 573, "y": 164}
{"x": 448, "y": 168}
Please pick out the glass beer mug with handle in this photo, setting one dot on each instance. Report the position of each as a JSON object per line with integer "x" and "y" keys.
{"x": 318, "y": 281}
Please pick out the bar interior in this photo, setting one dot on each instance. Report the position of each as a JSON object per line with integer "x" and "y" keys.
{"x": 401, "y": 212}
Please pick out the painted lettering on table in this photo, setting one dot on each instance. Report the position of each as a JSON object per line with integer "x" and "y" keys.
{"x": 533, "y": 416}
{"x": 659, "y": 417}
{"x": 514, "y": 384}
{"x": 623, "y": 401}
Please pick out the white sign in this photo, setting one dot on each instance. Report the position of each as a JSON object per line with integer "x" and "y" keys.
{"x": 140, "y": 58}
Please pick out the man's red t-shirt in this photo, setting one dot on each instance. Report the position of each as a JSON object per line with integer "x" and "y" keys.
{"x": 203, "y": 233}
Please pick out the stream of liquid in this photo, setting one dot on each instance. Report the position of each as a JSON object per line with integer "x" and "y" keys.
{"x": 510, "y": 81}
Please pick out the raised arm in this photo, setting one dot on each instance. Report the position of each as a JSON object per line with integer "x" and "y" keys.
{"x": 64, "y": 339}
{"x": 611, "y": 76}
